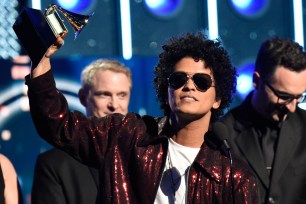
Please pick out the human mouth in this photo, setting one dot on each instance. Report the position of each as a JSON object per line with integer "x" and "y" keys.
{"x": 188, "y": 98}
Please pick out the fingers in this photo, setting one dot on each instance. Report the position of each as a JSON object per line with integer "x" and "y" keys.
{"x": 59, "y": 42}
{"x": 57, "y": 45}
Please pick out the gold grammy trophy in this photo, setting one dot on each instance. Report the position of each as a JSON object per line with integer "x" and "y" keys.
{"x": 37, "y": 31}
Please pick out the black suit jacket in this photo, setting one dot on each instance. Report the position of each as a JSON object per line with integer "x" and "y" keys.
{"x": 288, "y": 179}
{"x": 60, "y": 179}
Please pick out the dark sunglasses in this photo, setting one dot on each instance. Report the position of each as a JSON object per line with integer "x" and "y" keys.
{"x": 201, "y": 81}
{"x": 284, "y": 98}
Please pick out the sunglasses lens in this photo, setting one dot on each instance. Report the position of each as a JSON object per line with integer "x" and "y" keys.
{"x": 202, "y": 81}
{"x": 177, "y": 79}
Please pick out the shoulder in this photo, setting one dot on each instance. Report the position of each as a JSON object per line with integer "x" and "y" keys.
{"x": 7, "y": 167}
{"x": 238, "y": 119}
{"x": 297, "y": 119}
{"x": 6, "y": 164}
{"x": 3, "y": 159}
{"x": 233, "y": 114}
{"x": 301, "y": 113}
{"x": 54, "y": 152}
{"x": 53, "y": 157}
{"x": 58, "y": 161}
{"x": 231, "y": 119}
{"x": 11, "y": 190}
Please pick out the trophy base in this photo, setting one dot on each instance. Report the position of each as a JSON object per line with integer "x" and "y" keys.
{"x": 34, "y": 33}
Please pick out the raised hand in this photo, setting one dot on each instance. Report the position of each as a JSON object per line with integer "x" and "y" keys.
{"x": 44, "y": 65}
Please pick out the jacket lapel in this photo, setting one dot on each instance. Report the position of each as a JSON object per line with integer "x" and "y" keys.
{"x": 289, "y": 137}
{"x": 247, "y": 141}
{"x": 249, "y": 146}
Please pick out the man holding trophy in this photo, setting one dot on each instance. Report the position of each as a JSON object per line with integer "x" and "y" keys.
{"x": 144, "y": 159}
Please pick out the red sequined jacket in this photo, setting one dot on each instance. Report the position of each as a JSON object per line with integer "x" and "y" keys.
{"x": 131, "y": 152}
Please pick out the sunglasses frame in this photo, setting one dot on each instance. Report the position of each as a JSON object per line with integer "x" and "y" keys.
{"x": 188, "y": 76}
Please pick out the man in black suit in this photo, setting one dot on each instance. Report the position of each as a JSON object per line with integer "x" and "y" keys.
{"x": 59, "y": 178}
{"x": 268, "y": 130}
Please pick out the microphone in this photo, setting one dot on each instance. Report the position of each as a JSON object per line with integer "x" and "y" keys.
{"x": 220, "y": 131}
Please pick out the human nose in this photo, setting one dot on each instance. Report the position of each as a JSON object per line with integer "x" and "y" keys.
{"x": 292, "y": 105}
{"x": 189, "y": 83}
{"x": 113, "y": 104}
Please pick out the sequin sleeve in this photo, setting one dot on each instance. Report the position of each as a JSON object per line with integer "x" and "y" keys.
{"x": 86, "y": 139}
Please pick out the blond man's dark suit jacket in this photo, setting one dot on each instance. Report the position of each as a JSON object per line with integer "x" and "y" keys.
{"x": 288, "y": 180}
{"x": 60, "y": 179}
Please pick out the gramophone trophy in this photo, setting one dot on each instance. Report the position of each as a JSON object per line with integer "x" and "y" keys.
{"x": 37, "y": 31}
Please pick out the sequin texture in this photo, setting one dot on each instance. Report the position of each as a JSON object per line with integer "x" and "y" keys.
{"x": 131, "y": 153}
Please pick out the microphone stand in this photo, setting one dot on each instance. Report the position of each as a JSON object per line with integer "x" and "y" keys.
{"x": 228, "y": 150}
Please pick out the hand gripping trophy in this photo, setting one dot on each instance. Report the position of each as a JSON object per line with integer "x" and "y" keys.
{"x": 37, "y": 31}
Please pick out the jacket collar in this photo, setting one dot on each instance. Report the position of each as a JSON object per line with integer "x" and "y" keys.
{"x": 210, "y": 160}
{"x": 207, "y": 159}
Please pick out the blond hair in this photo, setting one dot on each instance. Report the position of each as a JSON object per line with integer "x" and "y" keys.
{"x": 103, "y": 64}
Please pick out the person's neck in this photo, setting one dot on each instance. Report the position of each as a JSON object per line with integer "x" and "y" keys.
{"x": 190, "y": 133}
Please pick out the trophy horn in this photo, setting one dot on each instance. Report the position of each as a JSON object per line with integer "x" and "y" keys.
{"x": 77, "y": 21}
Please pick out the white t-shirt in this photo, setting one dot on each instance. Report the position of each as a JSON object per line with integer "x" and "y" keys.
{"x": 172, "y": 188}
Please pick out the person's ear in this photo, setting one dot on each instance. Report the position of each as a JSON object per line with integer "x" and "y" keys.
{"x": 217, "y": 103}
{"x": 83, "y": 97}
{"x": 256, "y": 78}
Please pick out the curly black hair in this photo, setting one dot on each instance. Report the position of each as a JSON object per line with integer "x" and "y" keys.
{"x": 199, "y": 47}
{"x": 278, "y": 51}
